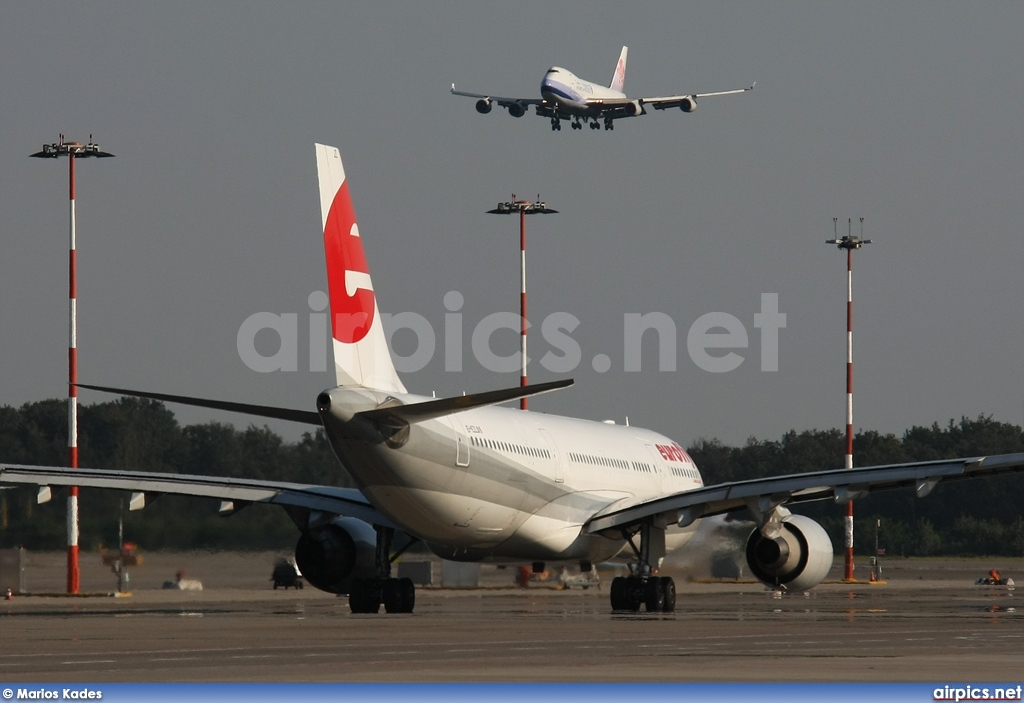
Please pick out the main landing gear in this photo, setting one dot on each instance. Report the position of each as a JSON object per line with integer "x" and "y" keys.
{"x": 656, "y": 593}
{"x": 556, "y": 124}
{"x": 397, "y": 595}
{"x": 594, "y": 123}
{"x": 366, "y": 595}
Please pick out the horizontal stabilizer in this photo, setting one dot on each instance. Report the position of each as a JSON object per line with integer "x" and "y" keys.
{"x": 307, "y": 417}
{"x": 419, "y": 412}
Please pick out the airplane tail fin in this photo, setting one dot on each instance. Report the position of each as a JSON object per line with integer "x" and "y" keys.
{"x": 361, "y": 355}
{"x": 619, "y": 77}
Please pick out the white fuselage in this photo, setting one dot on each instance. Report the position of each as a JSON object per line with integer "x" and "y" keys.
{"x": 502, "y": 484}
{"x": 571, "y": 93}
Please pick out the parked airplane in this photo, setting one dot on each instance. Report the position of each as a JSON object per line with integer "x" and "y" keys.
{"x": 475, "y": 482}
{"x": 565, "y": 96}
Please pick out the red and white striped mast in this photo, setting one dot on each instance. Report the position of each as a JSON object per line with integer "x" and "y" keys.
{"x": 524, "y": 208}
{"x": 849, "y": 243}
{"x": 73, "y": 150}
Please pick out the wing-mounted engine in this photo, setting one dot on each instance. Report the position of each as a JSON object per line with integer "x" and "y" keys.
{"x": 687, "y": 104}
{"x": 516, "y": 109}
{"x": 796, "y": 557}
{"x": 331, "y": 556}
{"x": 483, "y": 106}
{"x": 633, "y": 108}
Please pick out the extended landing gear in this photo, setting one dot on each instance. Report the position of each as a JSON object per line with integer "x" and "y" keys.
{"x": 609, "y": 123}
{"x": 556, "y": 124}
{"x": 397, "y": 595}
{"x": 656, "y": 593}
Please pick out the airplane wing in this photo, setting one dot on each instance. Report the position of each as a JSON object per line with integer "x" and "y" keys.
{"x": 688, "y": 102}
{"x": 504, "y": 102}
{"x": 761, "y": 496}
{"x": 234, "y": 493}
{"x": 515, "y": 103}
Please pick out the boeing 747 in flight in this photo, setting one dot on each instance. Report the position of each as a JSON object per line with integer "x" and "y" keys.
{"x": 565, "y": 96}
{"x": 475, "y": 482}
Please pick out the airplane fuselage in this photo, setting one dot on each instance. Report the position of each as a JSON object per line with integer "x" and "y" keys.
{"x": 572, "y": 93}
{"x": 501, "y": 484}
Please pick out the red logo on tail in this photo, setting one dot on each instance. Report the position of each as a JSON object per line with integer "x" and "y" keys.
{"x": 351, "y": 315}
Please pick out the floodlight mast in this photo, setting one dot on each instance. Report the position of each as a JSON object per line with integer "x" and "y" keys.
{"x": 524, "y": 208}
{"x": 849, "y": 243}
{"x": 72, "y": 150}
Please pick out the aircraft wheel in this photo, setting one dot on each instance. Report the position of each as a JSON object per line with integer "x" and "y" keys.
{"x": 399, "y": 595}
{"x": 408, "y": 590}
{"x": 634, "y": 593}
{"x": 619, "y": 599}
{"x": 365, "y": 596}
{"x": 654, "y": 595}
{"x": 669, "y": 587}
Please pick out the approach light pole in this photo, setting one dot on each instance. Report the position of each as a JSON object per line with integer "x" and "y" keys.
{"x": 72, "y": 150}
{"x": 849, "y": 243}
{"x": 524, "y": 208}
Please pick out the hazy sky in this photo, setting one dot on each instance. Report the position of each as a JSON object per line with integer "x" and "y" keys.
{"x": 910, "y": 115}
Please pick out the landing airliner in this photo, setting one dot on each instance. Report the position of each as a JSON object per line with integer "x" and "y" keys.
{"x": 476, "y": 482}
{"x": 565, "y": 96}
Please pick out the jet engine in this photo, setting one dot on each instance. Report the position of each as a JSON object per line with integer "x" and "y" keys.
{"x": 797, "y": 559}
{"x": 483, "y": 106}
{"x": 687, "y": 105}
{"x": 331, "y": 556}
{"x": 634, "y": 108}
{"x": 516, "y": 110}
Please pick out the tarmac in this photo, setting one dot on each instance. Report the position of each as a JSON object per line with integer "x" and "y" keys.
{"x": 929, "y": 622}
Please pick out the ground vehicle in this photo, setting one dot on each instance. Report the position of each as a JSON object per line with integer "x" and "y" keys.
{"x": 286, "y": 574}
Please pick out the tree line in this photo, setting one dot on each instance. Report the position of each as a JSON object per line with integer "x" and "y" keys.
{"x": 983, "y": 516}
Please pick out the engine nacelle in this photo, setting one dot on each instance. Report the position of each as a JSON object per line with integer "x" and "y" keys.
{"x": 634, "y": 108}
{"x": 688, "y": 105}
{"x": 798, "y": 559}
{"x": 483, "y": 106}
{"x": 330, "y": 557}
{"x": 517, "y": 109}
